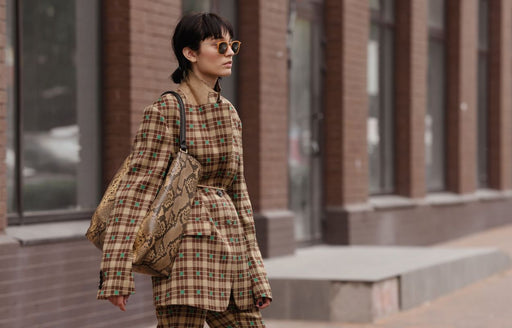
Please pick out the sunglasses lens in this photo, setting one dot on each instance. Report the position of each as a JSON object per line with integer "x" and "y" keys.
{"x": 235, "y": 46}
{"x": 223, "y": 47}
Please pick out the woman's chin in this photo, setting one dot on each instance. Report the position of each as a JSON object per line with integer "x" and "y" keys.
{"x": 225, "y": 72}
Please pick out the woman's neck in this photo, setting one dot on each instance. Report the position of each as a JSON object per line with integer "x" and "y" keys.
{"x": 210, "y": 81}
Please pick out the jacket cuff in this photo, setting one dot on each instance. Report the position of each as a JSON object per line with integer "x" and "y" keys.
{"x": 260, "y": 283}
{"x": 261, "y": 286}
{"x": 115, "y": 284}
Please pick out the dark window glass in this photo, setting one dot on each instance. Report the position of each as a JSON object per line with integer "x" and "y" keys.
{"x": 12, "y": 137}
{"x": 380, "y": 97}
{"x": 53, "y": 107}
{"x": 436, "y": 10}
{"x": 435, "y": 116}
{"x": 196, "y": 5}
{"x": 305, "y": 119}
{"x": 482, "y": 94}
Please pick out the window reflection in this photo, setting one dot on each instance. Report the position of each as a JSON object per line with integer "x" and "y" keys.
{"x": 435, "y": 116}
{"x": 50, "y": 143}
{"x": 482, "y": 152}
{"x": 58, "y": 116}
{"x": 196, "y": 5}
{"x": 11, "y": 105}
{"x": 299, "y": 130}
{"x": 380, "y": 86}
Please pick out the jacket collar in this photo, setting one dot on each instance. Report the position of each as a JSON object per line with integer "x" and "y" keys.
{"x": 197, "y": 92}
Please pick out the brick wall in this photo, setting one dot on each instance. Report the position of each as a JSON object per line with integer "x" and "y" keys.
{"x": 379, "y": 220}
{"x": 263, "y": 101}
{"x": 152, "y": 60}
{"x": 137, "y": 64}
{"x": 115, "y": 85}
{"x": 274, "y": 104}
{"x": 411, "y": 49}
{"x": 249, "y": 89}
{"x": 462, "y": 90}
{"x": 263, "y": 107}
{"x": 346, "y": 102}
{"x": 499, "y": 105}
{"x": 54, "y": 286}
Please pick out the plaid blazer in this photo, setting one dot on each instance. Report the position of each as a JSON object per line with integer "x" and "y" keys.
{"x": 219, "y": 252}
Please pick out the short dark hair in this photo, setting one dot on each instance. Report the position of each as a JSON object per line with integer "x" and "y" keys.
{"x": 190, "y": 31}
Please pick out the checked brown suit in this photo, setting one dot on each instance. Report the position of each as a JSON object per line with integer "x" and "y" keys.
{"x": 219, "y": 254}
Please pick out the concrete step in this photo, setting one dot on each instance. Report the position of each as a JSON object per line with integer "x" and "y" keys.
{"x": 359, "y": 284}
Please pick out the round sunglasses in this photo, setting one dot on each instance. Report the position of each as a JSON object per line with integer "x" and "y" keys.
{"x": 222, "y": 46}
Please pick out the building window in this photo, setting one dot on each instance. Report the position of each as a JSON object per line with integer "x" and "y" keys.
{"x": 228, "y": 10}
{"x": 53, "y": 153}
{"x": 380, "y": 97}
{"x": 483, "y": 49}
{"x": 436, "y": 101}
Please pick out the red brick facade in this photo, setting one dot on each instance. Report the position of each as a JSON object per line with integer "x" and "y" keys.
{"x": 410, "y": 96}
{"x": 115, "y": 85}
{"x": 263, "y": 107}
{"x": 500, "y": 84}
{"x": 346, "y": 104}
{"x": 263, "y": 94}
{"x": 137, "y": 62}
{"x": 411, "y": 215}
{"x": 152, "y": 60}
{"x": 462, "y": 83}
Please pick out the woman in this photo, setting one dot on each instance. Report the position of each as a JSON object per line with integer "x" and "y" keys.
{"x": 218, "y": 274}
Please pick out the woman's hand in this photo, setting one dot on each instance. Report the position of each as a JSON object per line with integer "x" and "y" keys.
{"x": 119, "y": 301}
{"x": 262, "y": 303}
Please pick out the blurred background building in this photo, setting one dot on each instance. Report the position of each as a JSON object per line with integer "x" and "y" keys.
{"x": 378, "y": 122}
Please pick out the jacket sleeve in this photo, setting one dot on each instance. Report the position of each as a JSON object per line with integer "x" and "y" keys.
{"x": 238, "y": 193}
{"x": 150, "y": 153}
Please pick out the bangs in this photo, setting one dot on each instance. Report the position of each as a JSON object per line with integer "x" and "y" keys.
{"x": 211, "y": 25}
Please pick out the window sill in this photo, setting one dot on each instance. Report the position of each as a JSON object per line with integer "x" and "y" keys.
{"x": 448, "y": 198}
{"x": 35, "y": 234}
{"x": 387, "y": 202}
{"x": 492, "y": 194}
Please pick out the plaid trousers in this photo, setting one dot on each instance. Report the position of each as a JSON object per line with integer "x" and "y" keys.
{"x": 184, "y": 316}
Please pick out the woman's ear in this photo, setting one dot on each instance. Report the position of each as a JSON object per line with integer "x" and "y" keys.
{"x": 190, "y": 54}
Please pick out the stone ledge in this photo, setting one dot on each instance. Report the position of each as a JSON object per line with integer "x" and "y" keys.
{"x": 492, "y": 194}
{"x": 360, "y": 284}
{"x": 275, "y": 232}
{"x": 34, "y": 234}
{"x": 385, "y": 202}
{"x": 424, "y": 224}
{"x": 448, "y": 198}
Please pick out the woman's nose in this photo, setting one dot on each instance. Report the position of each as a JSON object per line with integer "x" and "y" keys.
{"x": 229, "y": 52}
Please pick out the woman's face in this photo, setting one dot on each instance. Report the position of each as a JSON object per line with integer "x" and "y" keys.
{"x": 209, "y": 63}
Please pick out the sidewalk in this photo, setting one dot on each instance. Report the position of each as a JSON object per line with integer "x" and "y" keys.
{"x": 484, "y": 304}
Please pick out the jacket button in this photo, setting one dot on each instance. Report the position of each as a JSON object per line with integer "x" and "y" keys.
{"x": 219, "y": 192}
